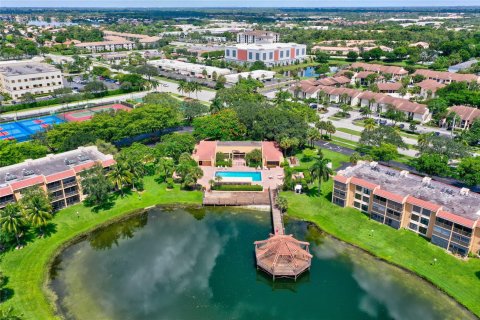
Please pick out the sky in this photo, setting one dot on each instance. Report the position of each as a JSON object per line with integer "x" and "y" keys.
{"x": 234, "y": 3}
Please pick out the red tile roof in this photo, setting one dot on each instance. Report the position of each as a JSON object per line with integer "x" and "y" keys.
{"x": 389, "y": 86}
{"x": 27, "y": 183}
{"x": 271, "y": 152}
{"x": 341, "y": 179}
{"x": 446, "y": 76}
{"x": 466, "y": 113}
{"x": 108, "y": 163}
{"x": 379, "y": 68}
{"x": 363, "y": 183}
{"x": 60, "y": 175}
{"x": 456, "y": 219}
{"x": 424, "y": 204}
{"x": 205, "y": 150}
{"x": 389, "y": 195}
{"x": 5, "y": 191}
{"x": 83, "y": 166}
{"x": 431, "y": 85}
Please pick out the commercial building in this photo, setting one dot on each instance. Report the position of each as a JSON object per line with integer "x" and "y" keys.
{"x": 205, "y": 152}
{"x": 114, "y": 41}
{"x": 186, "y": 68}
{"x": 58, "y": 175}
{"x": 271, "y": 54}
{"x": 446, "y": 215}
{"x": 18, "y": 78}
{"x": 258, "y": 36}
{"x": 446, "y": 77}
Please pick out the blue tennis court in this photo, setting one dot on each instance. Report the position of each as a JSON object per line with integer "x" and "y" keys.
{"x": 24, "y": 129}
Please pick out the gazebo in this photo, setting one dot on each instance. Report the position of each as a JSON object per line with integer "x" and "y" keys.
{"x": 283, "y": 256}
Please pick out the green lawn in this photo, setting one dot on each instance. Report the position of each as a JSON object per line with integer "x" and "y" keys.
{"x": 349, "y": 131}
{"x": 27, "y": 269}
{"x": 460, "y": 279}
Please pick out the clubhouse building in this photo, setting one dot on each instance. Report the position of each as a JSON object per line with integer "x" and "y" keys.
{"x": 205, "y": 152}
{"x": 58, "y": 175}
{"x": 448, "y": 216}
{"x": 272, "y": 54}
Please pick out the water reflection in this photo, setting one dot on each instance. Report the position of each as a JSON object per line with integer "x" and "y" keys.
{"x": 169, "y": 265}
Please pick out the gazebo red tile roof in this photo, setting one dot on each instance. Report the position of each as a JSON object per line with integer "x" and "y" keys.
{"x": 283, "y": 256}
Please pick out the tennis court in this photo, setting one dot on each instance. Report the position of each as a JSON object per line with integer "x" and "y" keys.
{"x": 24, "y": 129}
{"x": 87, "y": 114}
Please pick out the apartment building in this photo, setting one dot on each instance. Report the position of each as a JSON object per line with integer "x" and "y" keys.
{"x": 271, "y": 54}
{"x": 18, "y": 78}
{"x": 447, "y": 215}
{"x": 377, "y": 102}
{"x": 58, "y": 175}
{"x": 396, "y": 72}
{"x": 111, "y": 43}
{"x": 258, "y": 36}
{"x": 466, "y": 114}
{"x": 446, "y": 77}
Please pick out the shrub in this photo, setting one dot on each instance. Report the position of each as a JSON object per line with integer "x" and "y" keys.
{"x": 169, "y": 183}
{"x": 237, "y": 187}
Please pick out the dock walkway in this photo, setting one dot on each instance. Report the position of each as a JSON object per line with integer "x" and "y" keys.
{"x": 277, "y": 220}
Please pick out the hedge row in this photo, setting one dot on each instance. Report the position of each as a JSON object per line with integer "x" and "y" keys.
{"x": 237, "y": 187}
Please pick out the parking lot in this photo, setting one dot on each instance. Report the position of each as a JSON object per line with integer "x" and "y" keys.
{"x": 78, "y": 83}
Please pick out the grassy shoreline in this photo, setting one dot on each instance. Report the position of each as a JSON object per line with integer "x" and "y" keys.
{"x": 415, "y": 254}
{"x": 27, "y": 269}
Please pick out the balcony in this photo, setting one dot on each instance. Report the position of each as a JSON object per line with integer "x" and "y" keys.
{"x": 71, "y": 193}
{"x": 462, "y": 232}
{"x": 69, "y": 184}
{"x": 57, "y": 197}
{"x": 55, "y": 188}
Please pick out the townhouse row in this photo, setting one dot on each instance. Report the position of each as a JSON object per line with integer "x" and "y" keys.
{"x": 58, "y": 175}
{"x": 377, "y": 102}
{"x": 446, "y": 215}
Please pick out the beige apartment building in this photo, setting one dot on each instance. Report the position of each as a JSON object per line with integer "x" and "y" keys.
{"x": 58, "y": 175}
{"x": 447, "y": 215}
{"x": 18, "y": 78}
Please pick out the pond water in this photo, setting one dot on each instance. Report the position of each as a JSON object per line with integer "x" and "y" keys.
{"x": 186, "y": 263}
{"x": 308, "y": 72}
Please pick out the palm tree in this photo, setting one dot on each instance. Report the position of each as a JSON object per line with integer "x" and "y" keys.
{"x": 12, "y": 221}
{"x": 193, "y": 87}
{"x": 312, "y": 135}
{"x": 120, "y": 177}
{"x": 369, "y": 124}
{"x": 330, "y": 128}
{"x": 355, "y": 157}
{"x": 37, "y": 208}
{"x": 366, "y": 111}
{"x": 182, "y": 86}
{"x": 423, "y": 140}
{"x": 165, "y": 167}
{"x": 320, "y": 170}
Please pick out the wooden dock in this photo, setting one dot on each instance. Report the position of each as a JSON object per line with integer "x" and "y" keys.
{"x": 277, "y": 220}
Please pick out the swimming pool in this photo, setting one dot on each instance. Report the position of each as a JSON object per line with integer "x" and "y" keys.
{"x": 255, "y": 176}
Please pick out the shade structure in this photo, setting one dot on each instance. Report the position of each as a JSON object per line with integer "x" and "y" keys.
{"x": 283, "y": 256}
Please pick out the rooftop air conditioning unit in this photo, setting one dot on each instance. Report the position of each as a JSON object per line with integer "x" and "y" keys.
{"x": 464, "y": 191}
{"x": 404, "y": 173}
{"x": 426, "y": 181}
{"x": 373, "y": 164}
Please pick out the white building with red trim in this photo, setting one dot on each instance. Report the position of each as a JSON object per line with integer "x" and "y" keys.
{"x": 58, "y": 175}
{"x": 272, "y": 54}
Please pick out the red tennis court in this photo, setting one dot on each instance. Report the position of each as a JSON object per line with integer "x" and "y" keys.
{"x": 87, "y": 114}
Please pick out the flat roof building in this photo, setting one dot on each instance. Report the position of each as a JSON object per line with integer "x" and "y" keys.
{"x": 271, "y": 54}
{"x": 261, "y": 75}
{"x": 58, "y": 175}
{"x": 19, "y": 78}
{"x": 187, "y": 68}
{"x": 447, "y": 215}
{"x": 258, "y": 36}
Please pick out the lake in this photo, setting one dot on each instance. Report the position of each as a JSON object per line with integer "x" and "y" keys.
{"x": 199, "y": 263}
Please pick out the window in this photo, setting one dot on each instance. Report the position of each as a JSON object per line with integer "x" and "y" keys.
{"x": 359, "y": 188}
{"x": 281, "y": 54}
{"x": 413, "y": 226}
{"x": 426, "y": 212}
{"x": 417, "y": 209}
{"x": 440, "y": 242}
{"x": 271, "y": 56}
{"x": 257, "y": 56}
{"x": 356, "y": 204}
{"x": 422, "y": 230}
{"x": 234, "y": 53}
{"x": 364, "y": 208}
{"x": 366, "y": 199}
{"x": 424, "y": 221}
{"x": 264, "y": 56}
{"x": 298, "y": 52}
{"x": 358, "y": 196}
{"x": 441, "y": 232}
{"x": 339, "y": 202}
{"x": 250, "y": 56}
{"x": 414, "y": 217}
{"x": 303, "y": 51}
{"x": 287, "y": 53}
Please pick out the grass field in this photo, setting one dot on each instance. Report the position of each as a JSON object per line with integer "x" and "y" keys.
{"x": 27, "y": 269}
{"x": 460, "y": 279}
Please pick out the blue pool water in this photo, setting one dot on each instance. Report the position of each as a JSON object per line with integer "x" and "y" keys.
{"x": 256, "y": 176}
{"x": 24, "y": 129}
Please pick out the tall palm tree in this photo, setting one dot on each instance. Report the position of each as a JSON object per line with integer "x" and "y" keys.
{"x": 120, "y": 177}
{"x": 12, "y": 221}
{"x": 165, "y": 167}
{"x": 312, "y": 135}
{"x": 182, "y": 85}
{"x": 366, "y": 111}
{"x": 320, "y": 170}
{"x": 38, "y": 210}
{"x": 423, "y": 140}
